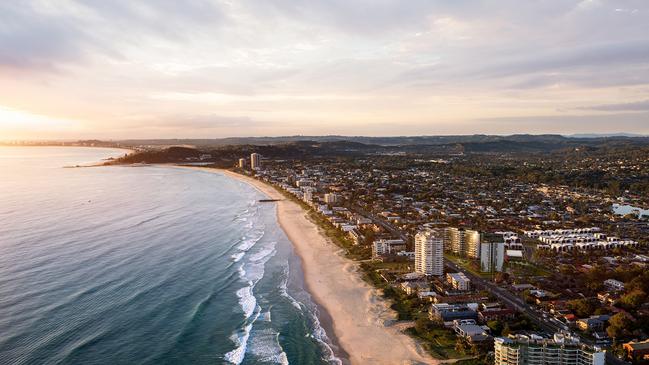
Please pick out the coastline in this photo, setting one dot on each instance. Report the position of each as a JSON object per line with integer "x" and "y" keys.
{"x": 353, "y": 312}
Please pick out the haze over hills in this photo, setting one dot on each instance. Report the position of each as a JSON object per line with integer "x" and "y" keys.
{"x": 225, "y": 152}
{"x": 332, "y": 144}
{"x": 398, "y": 140}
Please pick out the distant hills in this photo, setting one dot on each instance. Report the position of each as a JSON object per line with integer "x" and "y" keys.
{"x": 224, "y": 152}
{"x": 362, "y": 145}
{"x": 605, "y": 135}
{"x": 543, "y": 140}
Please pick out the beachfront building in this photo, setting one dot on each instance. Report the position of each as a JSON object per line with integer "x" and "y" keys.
{"x": 242, "y": 163}
{"x": 307, "y": 195}
{"x": 492, "y": 256}
{"x": 561, "y": 350}
{"x": 332, "y": 198}
{"x": 429, "y": 253}
{"x": 462, "y": 242}
{"x": 384, "y": 247}
{"x": 255, "y": 161}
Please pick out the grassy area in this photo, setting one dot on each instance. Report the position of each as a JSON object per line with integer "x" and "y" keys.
{"x": 439, "y": 342}
{"x": 526, "y": 269}
{"x": 467, "y": 265}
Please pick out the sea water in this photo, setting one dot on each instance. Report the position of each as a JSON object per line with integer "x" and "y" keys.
{"x": 145, "y": 265}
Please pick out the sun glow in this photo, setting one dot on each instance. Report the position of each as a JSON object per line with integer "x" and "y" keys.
{"x": 18, "y": 124}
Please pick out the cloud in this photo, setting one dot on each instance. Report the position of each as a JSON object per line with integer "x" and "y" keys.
{"x": 565, "y": 124}
{"x": 338, "y": 64}
{"x": 44, "y": 35}
{"x": 633, "y": 106}
{"x": 624, "y": 53}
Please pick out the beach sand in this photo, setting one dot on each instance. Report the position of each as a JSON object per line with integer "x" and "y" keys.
{"x": 357, "y": 312}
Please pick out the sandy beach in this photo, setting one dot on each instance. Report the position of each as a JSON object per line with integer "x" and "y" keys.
{"x": 356, "y": 311}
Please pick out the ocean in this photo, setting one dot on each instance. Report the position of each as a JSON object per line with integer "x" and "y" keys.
{"x": 145, "y": 265}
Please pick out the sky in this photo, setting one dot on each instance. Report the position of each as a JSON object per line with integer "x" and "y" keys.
{"x": 218, "y": 68}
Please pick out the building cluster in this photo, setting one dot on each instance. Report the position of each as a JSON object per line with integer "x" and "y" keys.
{"x": 422, "y": 219}
{"x": 577, "y": 239}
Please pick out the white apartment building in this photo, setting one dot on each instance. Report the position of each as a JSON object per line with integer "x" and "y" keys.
{"x": 429, "y": 253}
{"x": 242, "y": 163}
{"x": 561, "y": 232}
{"x": 538, "y": 351}
{"x": 458, "y": 281}
{"x": 384, "y": 247}
{"x": 332, "y": 198}
{"x": 307, "y": 196}
{"x": 580, "y": 239}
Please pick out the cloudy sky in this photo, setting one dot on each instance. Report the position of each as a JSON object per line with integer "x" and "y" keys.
{"x": 217, "y": 68}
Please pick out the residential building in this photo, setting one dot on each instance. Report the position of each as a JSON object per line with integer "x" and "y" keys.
{"x": 255, "y": 161}
{"x": 463, "y": 242}
{"x": 384, "y": 247}
{"x": 429, "y": 253}
{"x": 592, "y": 323}
{"x": 307, "y": 196}
{"x": 332, "y": 198}
{"x": 242, "y": 163}
{"x": 470, "y": 330}
{"x": 492, "y": 256}
{"x": 413, "y": 287}
{"x": 496, "y": 314}
{"x": 458, "y": 281}
{"x": 448, "y": 313}
{"x": 613, "y": 284}
{"x": 561, "y": 350}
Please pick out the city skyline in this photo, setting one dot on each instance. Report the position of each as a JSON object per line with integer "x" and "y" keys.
{"x": 213, "y": 69}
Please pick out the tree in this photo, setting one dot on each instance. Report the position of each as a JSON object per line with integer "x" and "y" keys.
{"x": 496, "y": 327}
{"x": 582, "y": 307}
{"x": 633, "y": 300}
{"x": 619, "y": 325}
{"x": 475, "y": 351}
{"x": 460, "y": 346}
{"x": 506, "y": 330}
{"x": 501, "y": 277}
{"x": 422, "y": 325}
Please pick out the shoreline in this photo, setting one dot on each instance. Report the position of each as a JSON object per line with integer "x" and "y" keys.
{"x": 353, "y": 314}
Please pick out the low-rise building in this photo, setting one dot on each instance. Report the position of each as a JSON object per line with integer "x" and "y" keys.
{"x": 413, "y": 287}
{"x": 470, "y": 330}
{"x": 592, "y": 323}
{"x": 382, "y": 247}
{"x": 447, "y": 313}
{"x": 614, "y": 285}
{"x": 498, "y": 314}
{"x": 458, "y": 281}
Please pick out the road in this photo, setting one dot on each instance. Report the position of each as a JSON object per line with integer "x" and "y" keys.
{"x": 379, "y": 221}
{"x": 511, "y": 300}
